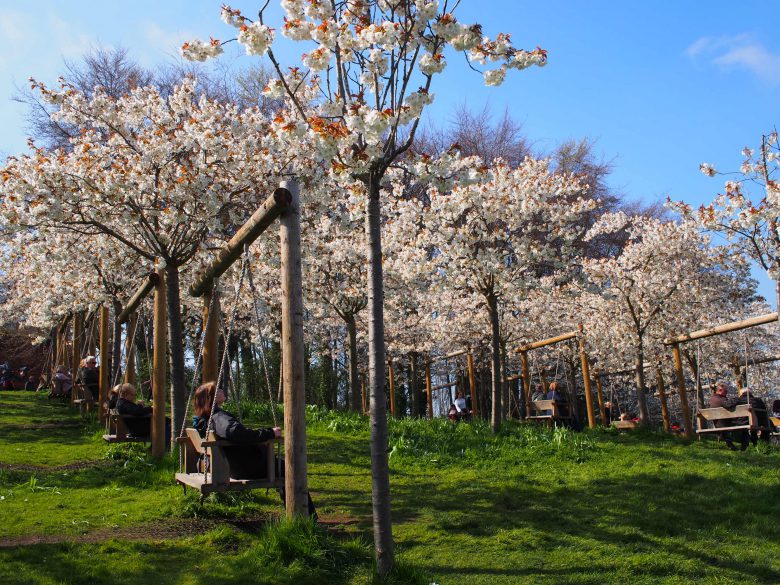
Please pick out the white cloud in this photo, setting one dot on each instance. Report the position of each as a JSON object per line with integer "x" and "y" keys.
{"x": 741, "y": 52}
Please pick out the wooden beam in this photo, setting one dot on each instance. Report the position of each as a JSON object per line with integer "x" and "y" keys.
{"x": 280, "y": 201}
{"x": 391, "y": 383}
{"x": 754, "y": 361}
{"x": 443, "y": 386}
{"x": 146, "y": 287}
{"x": 472, "y": 384}
{"x": 720, "y": 329}
{"x": 545, "y": 342}
{"x": 586, "y": 380}
{"x": 286, "y": 204}
{"x": 686, "y": 411}
{"x": 429, "y": 390}
{"x": 104, "y": 370}
{"x": 160, "y": 367}
{"x": 448, "y": 356}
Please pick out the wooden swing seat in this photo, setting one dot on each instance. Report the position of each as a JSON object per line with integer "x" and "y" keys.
{"x": 83, "y": 399}
{"x": 118, "y": 431}
{"x": 706, "y": 415}
{"x": 209, "y": 452}
{"x": 624, "y": 425}
{"x": 548, "y": 410}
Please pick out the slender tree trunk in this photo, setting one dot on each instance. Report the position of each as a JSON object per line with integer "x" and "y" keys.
{"x": 352, "y": 356}
{"x": 495, "y": 361}
{"x": 693, "y": 364}
{"x": 116, "y": 346}
{"x": 414, "y": 386}
{"x": 326, "y": 376}
{"x": 639, "y": 379}
{"x": 380, "y": 472}
{"x": 176, "y": 345}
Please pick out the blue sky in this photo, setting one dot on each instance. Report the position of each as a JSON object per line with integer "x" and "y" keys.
{"x": 662, "y": 86}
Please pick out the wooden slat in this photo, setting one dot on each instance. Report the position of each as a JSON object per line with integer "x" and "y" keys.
{"x": 545, "y": 342}
{"x": 448, "y": 356}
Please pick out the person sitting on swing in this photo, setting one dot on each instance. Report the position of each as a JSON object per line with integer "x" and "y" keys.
{"x": 460, "y": 404}
{"x": 553, "y": 394}
{"x": 758, "y": 406}
{"x": 89, "y": 376}
{"x": 62, "y": 383}
{"x": 720, "y": 399}
{"x": 126, "y": 405}
{"x": 247, "y": 459}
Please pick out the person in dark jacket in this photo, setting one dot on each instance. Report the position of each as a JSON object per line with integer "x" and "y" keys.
{"x": 247, "y": 459}
{"x": 720, "y": 399}
{"x": 126, "y": 405}
{"x": 89, "y": 376}
{"x": 757, "y": 404}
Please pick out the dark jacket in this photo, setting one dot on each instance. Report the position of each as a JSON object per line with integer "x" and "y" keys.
{"x": 717, "y": 401}
{"x": 90, "y": 378}
{"x": 759, "y": 409}
{"x": 138, "y": 427}
{"x": 247, "y": 460}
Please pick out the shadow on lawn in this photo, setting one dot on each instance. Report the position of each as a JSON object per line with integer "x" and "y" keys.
{"x": 646, "y": 513}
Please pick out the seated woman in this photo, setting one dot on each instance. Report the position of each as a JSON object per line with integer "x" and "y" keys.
{"x": 126, "y": 405}
{"x": 246, "y": 460}
{"x": 62, "y": 384}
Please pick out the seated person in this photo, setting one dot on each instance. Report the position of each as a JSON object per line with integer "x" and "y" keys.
{"x": 126, "y": 405}
{"x": 452, "y": 413}
{"x": 246, "y": 460}
{"x": 460, "y": 406}
{"x": 89, "y": 376}
{"x": 538, "y": 394}
{"x": 62, "y": 383}
{"x": 776, "y": 408}
{"x": 720, "y": 399}
{"x": 757, "y": 404}
{"x": 113, "y": 397}
{"x": 553, "y": 394}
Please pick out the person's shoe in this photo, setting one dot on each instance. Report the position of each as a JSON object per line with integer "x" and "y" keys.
{"x": 731, "y": 446}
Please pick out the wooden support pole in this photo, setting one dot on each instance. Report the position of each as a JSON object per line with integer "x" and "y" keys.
{"x": 104, "y": 379}
{"x": 293, "y": 356}
{"x": 586, "y": 380}
{"x": 727, "y": 328}
{"x": 659, "y": 379}
{"x": 75, "y": 354}
{"x": 160, "y": 360}
{"x": 526, "y": 374}
{"x": 686, "y": 411}
{"x": 472, "y": 384}
{"x": 135, "y": 301}
{"x": 546, "y": 342}
{"x": 275, "y": 206}
{"x": 210, "y": 354}
{"x": 130, "y": 336}
{"x": 428, "y": 390}
{"x": 600, "y": 395}
{"x": 391, "y": 383}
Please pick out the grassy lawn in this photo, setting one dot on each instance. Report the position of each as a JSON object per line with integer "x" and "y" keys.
{"x": 529, "y": 506}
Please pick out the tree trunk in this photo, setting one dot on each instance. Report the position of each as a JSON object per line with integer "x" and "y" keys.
{"x": 116, "y": 346}
{"x": 639, "y": 380}
{"x": 414, "y": 386}
{"x": 495, "y": 361}
{"x": 380, "y": 472}
{"x": 352, "y": 356}
{"x": 176, "y": 344}
{"x": 693, "y": 364}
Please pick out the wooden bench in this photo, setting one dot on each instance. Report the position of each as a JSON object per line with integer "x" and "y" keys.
{"x": 706, "y": 415}
{"x": 624, "y": 425}
{"x": 548, "y": 410}
{"x": 210, "y": 453}
{"x": 117, "y": 430}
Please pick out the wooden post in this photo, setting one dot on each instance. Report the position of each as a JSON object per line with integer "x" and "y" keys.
{"x": 525, "y": 372}
{"x": 295, "y": 480}
{"x": 75, "y": 357}
{"x": 210, "y": 356}
{"x": 600, "y": 395}
{"x": 472, "y": 385}
{"x": 391, "y": 383}
{"x": 104, "y": 362}
{"x": 686, "y": 411}
{"x": 543, "y": 378}
{"x": 659, "y": 379}
{"x": 160, "y": 360}
{"x": 586, "y": 380}
{"x": 132, "y": 330}
{"x": 428, "y": 390}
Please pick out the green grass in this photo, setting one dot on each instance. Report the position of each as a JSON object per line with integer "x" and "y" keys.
{"x": 531, "y": 505}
